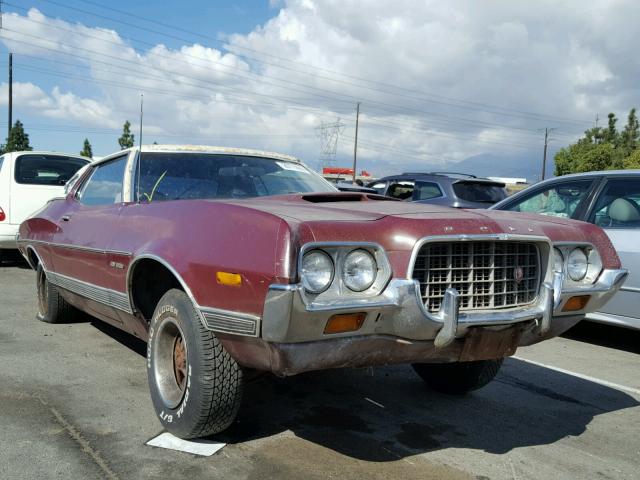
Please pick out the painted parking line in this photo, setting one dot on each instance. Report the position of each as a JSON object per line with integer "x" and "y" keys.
{"x": 617, "y": 386}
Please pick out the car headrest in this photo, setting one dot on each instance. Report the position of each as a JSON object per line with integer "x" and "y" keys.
{"x": 623, "y": 210}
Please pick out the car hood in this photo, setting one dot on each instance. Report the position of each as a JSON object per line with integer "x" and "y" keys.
{"x": 397, "y": 225}
{"x": 336, "y": 206}
{"x": 356, "y": 207}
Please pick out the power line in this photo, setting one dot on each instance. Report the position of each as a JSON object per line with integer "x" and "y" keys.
{"x": 468, "y": 122}
{"x": 315, "y": 75}
{"x": 492, "y": 109}
{"x": 381, "y": 105}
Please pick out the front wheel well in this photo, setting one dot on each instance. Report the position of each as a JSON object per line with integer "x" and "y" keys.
{"x": 149, "y": 281}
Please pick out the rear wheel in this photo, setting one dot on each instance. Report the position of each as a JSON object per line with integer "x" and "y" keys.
{"x": 195, "y": 385}
{"x": 52, "y": 308}
{"x": 460, "y": 377}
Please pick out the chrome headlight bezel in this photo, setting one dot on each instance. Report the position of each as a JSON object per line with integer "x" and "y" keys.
{"x": 593, "y": 265}
{"x": 338, "y": 292}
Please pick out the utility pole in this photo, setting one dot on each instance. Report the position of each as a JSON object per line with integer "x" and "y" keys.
{"x": 544, "y": 157}
{"x": 355, "y": 144}
{"x": 10, "y": 93}
{"x": 140, "y": 136}
{"x": 547, "y": 131}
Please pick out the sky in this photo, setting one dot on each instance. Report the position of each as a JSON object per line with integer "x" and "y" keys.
{"x": 438, "y": 82}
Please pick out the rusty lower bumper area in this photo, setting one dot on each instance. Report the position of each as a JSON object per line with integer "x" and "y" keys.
{"x": 480, "y": 343}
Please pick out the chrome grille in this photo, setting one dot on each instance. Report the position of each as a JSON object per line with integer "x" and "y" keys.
{"x": 486, "y": 274}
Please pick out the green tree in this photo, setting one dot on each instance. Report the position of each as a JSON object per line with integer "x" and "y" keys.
{"x": 584, "y": 157}
{"x": 631, "y": 132}
{"x": 127, "y": 138}
{"x": 18, "y": 139}
{"x": 602, "y": 148}
{"x": 633, "y": 160}
{"x": 611, "y": 133}
{"x": 86, "y": 149}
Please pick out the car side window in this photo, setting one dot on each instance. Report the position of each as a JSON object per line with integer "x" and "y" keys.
{"x": 560, "y": 200}
{"x": 426, "y": 191}
{"x": 400, "y": 189}
{"x": 36, "y": 169}
{"x": 618, "y": 205}
{"x": 378, "y": 187}
{"x": 104, "y": 186}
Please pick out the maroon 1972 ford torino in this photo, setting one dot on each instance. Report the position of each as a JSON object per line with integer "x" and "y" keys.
{"x": 228, "y": 261}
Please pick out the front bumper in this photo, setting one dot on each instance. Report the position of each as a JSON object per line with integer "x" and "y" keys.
{"x": 399, "y": 311}
{"x": 289, "y": 338}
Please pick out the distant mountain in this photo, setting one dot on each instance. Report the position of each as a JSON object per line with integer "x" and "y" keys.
{"x": 525, "y": 165}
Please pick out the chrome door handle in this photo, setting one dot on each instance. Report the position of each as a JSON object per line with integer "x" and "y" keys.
{"x": 66, "y": 218}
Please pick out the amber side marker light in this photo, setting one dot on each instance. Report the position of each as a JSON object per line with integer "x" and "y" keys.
{"x": 345, "y": 322}
{"x": 226, "y": 278}
{"x": 576, "y": 303}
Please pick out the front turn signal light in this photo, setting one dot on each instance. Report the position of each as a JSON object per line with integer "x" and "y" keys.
{"x": 345, "y": 322}
{"x": 226, "y": 278}
{"x": 577, "y": 303}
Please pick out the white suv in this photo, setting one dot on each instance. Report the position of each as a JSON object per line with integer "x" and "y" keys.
{"x": 28, "y": 180}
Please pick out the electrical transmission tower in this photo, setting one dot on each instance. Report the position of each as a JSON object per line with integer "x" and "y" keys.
{"x": 329, "y": 134}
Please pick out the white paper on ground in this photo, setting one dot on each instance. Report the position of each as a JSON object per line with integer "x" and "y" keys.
{"x": 198, "y": 447}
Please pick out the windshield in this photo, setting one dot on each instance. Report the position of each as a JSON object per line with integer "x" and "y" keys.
{"x": 177, "y": 176}
{"x": 479, "y": 191}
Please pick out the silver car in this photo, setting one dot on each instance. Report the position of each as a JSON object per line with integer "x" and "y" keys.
{"x": 611, "y": 200}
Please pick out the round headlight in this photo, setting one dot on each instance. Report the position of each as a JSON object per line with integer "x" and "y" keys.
{"x": 577, "y": 264}
{"x": 359, "y": 270}
{"x": 558, "y": 261}
{"x": 317, "y": 271}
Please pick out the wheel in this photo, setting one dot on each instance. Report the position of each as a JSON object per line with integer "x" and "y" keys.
{"x": 460, "y": 377}
{"x": 195, "y": 385}
{"x": 52, "y": 308}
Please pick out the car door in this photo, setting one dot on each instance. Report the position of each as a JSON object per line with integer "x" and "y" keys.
{"x": 562, "y": 198}
{"x": 617, "y": 210}
{"x": 81, "y": 248}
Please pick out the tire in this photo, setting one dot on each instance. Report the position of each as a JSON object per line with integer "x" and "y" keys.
{"x": 460, "y": 377}
{"x": 195, "y": 385}
{"x": 52, "y": 308}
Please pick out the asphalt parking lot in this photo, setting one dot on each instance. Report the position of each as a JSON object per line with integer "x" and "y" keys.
{"x": 75, "y": 405}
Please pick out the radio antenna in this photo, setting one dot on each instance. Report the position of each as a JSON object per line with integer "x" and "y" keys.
{"x": 139, "y": 150}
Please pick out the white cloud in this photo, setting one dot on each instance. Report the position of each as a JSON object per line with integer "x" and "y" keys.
{"x": 404, "y": 60}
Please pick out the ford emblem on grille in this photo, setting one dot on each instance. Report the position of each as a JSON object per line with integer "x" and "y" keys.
{"x": 518, "y": 274}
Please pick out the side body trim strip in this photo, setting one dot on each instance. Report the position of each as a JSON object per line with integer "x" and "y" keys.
{"x": 76, "y": 247}
{"x": 98, "y": 294}
{"x": 231, "y": 322}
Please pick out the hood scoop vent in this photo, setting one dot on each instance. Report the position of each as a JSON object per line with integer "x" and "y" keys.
{"x": 343, "y": 197}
